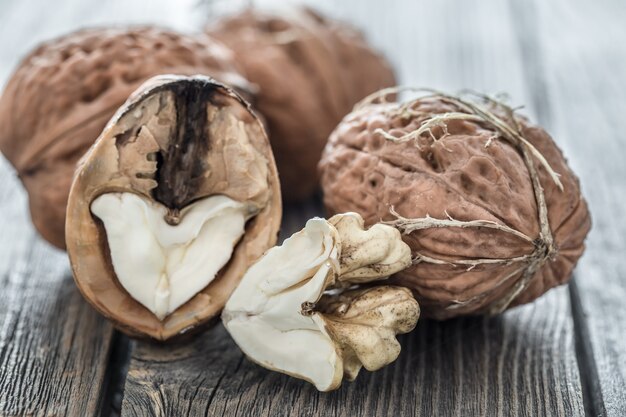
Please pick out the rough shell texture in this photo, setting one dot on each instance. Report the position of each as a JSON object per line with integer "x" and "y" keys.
{"x": 468, "y": 174}
{"x": 309, "y": 72}
{"x": 62, "y": 95}
{"x": 214, "y": 145}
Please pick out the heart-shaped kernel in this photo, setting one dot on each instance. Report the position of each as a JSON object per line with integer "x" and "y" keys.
{"x": 162, "y": 265}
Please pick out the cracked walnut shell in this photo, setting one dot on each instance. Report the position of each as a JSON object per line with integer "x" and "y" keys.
{"x": 486, "y": 201}
{"x": 178, "y": 196}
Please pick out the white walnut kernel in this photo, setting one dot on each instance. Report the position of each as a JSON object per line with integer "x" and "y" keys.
{"x": 289, "y": 313}
{"x": 163, "y": 266}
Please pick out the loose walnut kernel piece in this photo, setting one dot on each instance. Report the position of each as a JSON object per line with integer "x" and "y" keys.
{"x": 291, "y": 313}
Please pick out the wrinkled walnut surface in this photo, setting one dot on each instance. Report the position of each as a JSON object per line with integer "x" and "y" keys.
{"x": 471, "y": 173}
{"x": 309, "y": 72}
{"x": 175, "y": 141}
{"x": 62, "y": 95}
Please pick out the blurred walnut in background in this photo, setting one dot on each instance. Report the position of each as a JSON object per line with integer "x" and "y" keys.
{"x": 308, "y": 71}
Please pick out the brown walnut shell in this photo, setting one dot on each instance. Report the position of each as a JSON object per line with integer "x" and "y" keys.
{"x": 175, "y": 141}
{"x": 64, "y": 92}
{"x": 462, "y": 193}
{"x": 309, "y": 72}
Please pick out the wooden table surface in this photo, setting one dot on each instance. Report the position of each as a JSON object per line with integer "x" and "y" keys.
{"x": 564, "y": 354}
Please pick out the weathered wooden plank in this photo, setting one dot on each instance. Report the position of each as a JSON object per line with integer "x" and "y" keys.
{"x": 522, "y": 363}
{"x": 584, "y": 57}
{"x": 501, "y": 366}
{"x": 53, "y": 347}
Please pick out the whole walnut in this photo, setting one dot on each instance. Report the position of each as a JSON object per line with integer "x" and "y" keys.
{"x": 486, "y": 201}
{"x": 309, "y": 72}
{"x": 64, "y": 92}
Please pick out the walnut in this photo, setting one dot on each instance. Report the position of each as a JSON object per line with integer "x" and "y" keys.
{"x": 292, "y": 312}
{"x": 486, "y": 201}
{"x": 309, "y": 72}
{"x": 176, "y": 198}
{"x": 62, "y": 94}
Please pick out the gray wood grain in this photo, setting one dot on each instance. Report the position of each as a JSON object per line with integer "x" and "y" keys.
{"x": 584, "y": 52}
{"x": 522, "y": 363}
{"x": 53, "y": 347}
{"x": 502, "y": 366}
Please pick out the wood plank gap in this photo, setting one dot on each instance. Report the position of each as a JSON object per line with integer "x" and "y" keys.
{"x": 587, "y": 367}
{"x": 115, "y": 376}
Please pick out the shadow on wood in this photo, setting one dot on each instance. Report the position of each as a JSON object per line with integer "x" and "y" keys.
{"x": 471, "y": 366}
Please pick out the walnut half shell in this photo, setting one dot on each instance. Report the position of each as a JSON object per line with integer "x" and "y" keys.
{"x": 177, "y": 197}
